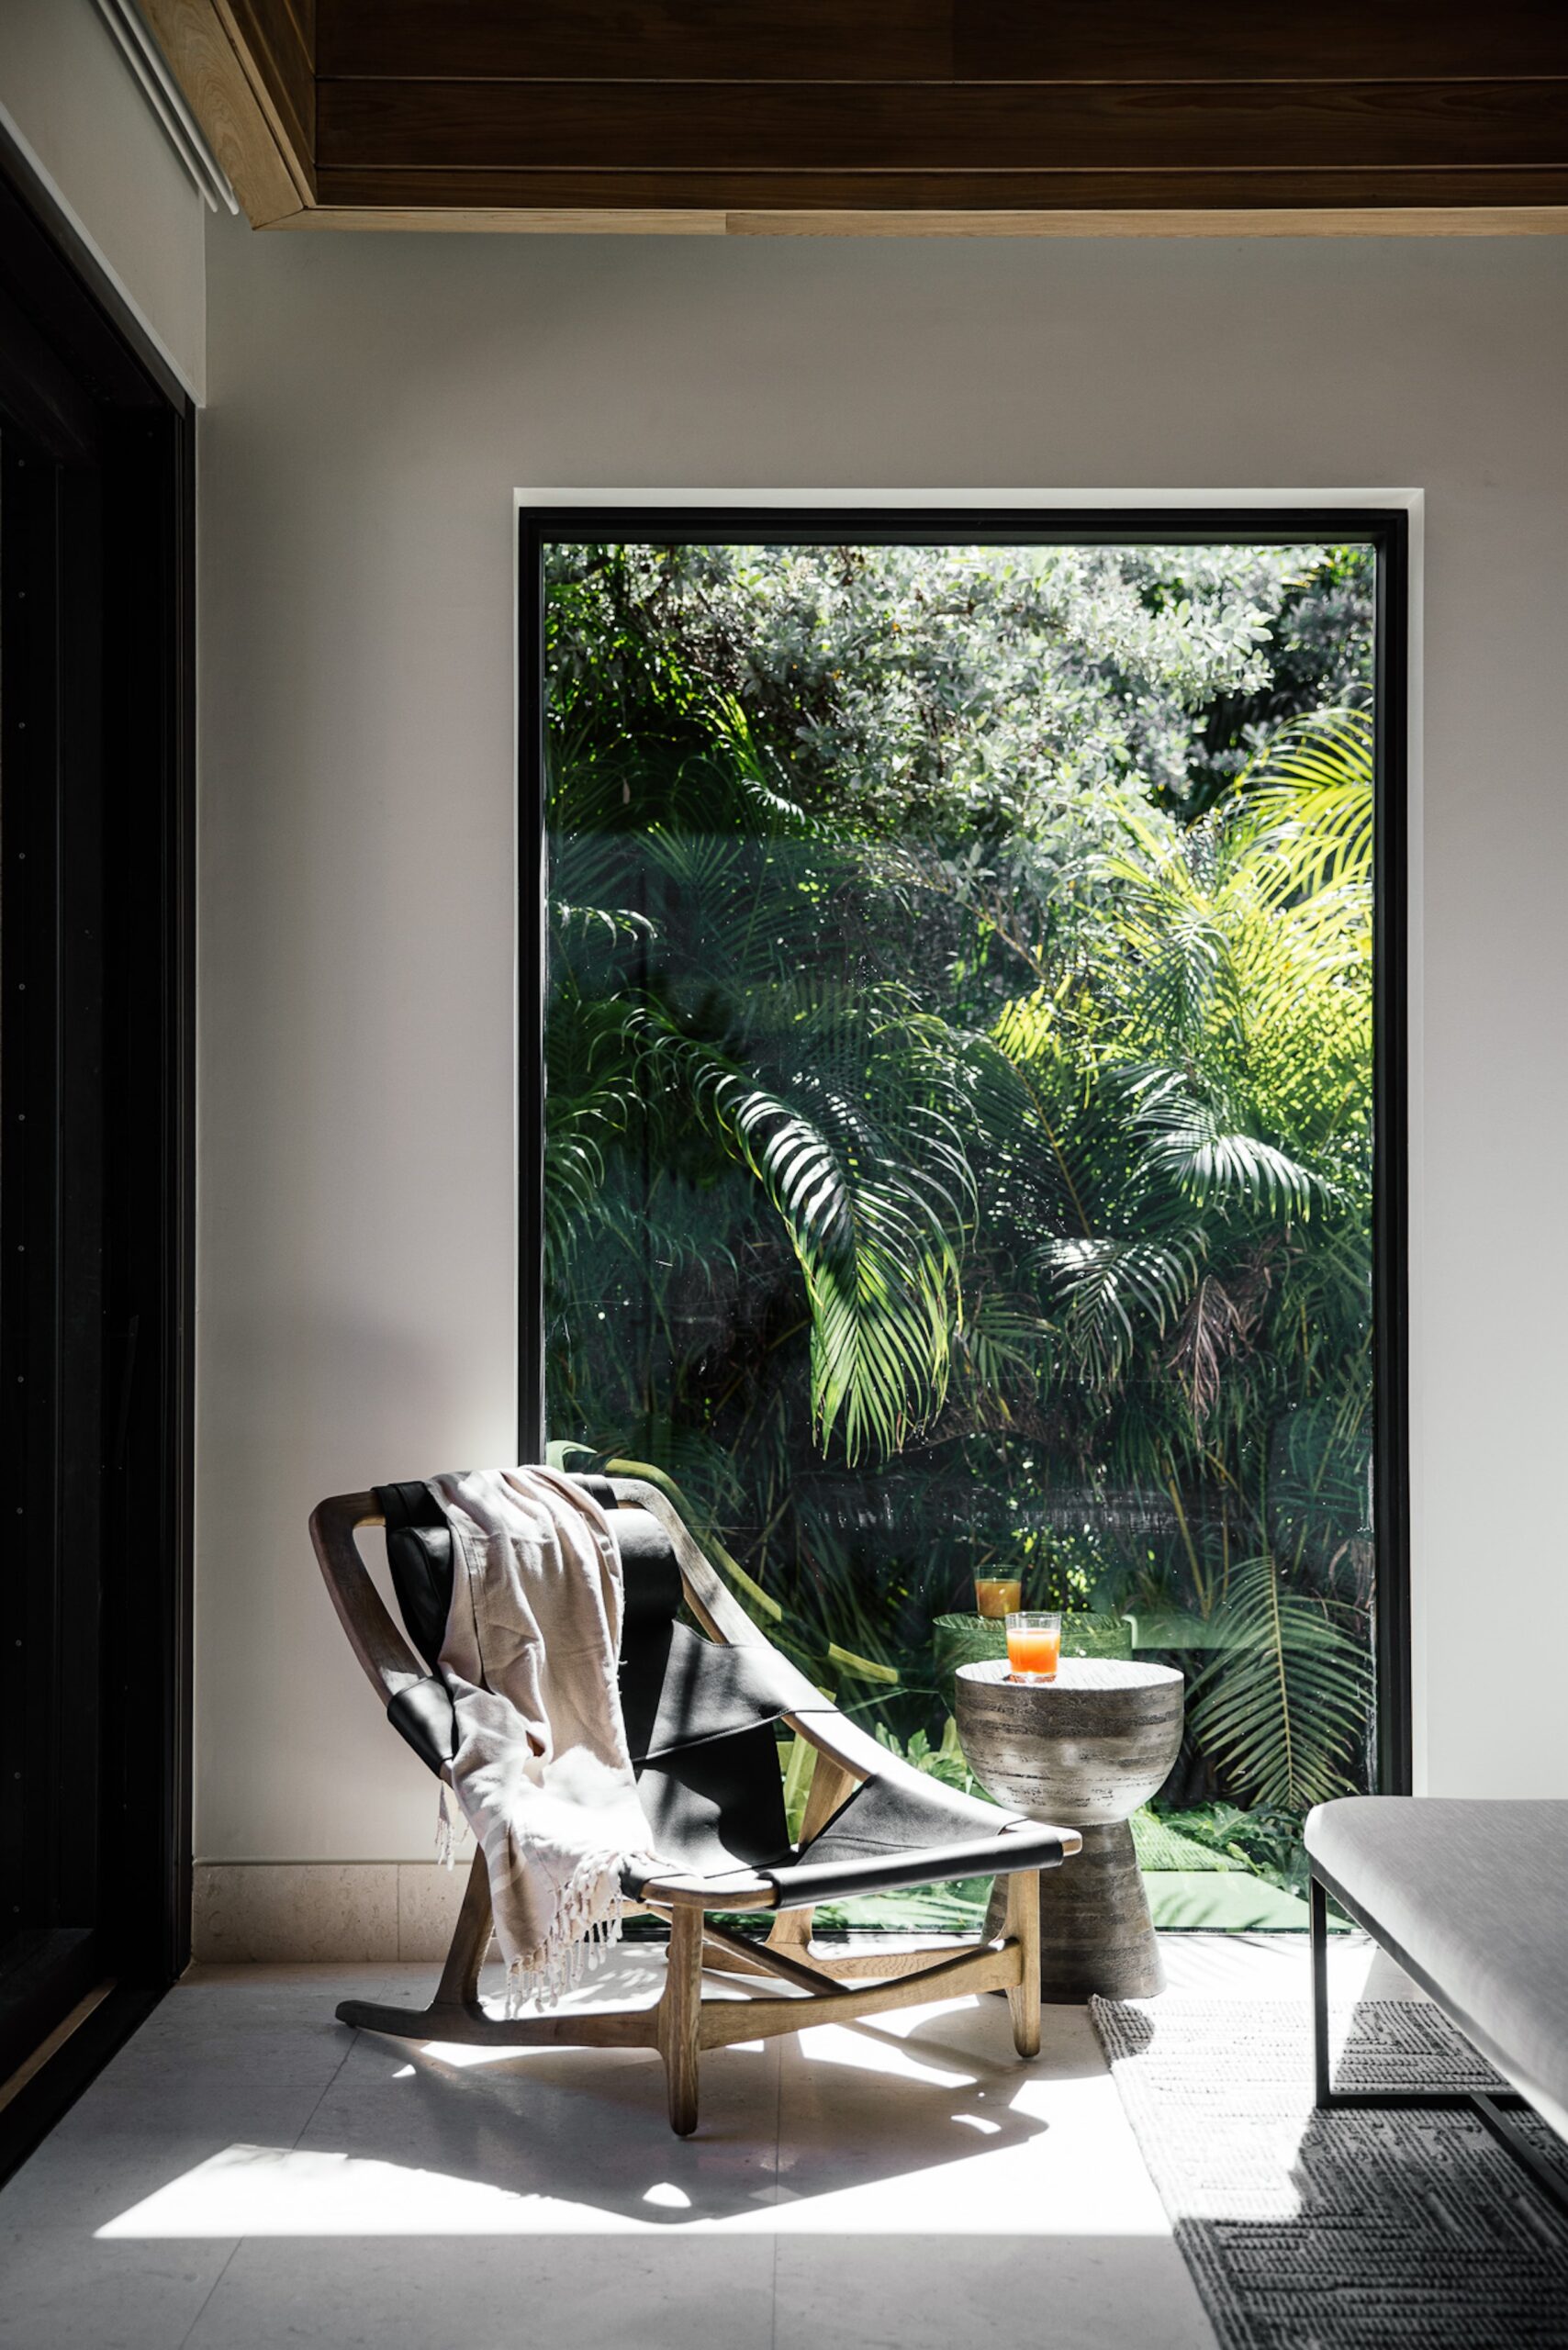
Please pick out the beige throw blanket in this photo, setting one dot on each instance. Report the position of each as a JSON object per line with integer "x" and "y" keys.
{"x": 541, "y": 1770}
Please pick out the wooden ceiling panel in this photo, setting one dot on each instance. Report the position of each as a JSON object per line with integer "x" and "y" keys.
{"x": 658, "y": 40}
{"x": 1090, "y": 128}
{"x": 1382, "y": 113}
{"x": 1249, "y": 40}
{"x": 1116, "y": 40}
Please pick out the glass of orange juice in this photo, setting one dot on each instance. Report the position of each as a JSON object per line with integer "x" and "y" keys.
{"x": 1033, "y": 1645}
{"x": 998, "y": 1596}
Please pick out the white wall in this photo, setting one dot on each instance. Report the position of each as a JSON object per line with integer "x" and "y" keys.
{"x": 70, "y": 98}
{"x": 374, "y": 401}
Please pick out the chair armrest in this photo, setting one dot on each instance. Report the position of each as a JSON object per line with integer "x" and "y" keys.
{"x": 388, "y": 1662}
{"x": 811, "y": 1881}
{"x": 1026, "y": 1845}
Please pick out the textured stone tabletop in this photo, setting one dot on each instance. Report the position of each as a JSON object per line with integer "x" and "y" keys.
{"x": 1075, "y": 1673}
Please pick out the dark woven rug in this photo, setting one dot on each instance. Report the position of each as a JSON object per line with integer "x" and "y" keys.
{"x": 1308, "y": 2231}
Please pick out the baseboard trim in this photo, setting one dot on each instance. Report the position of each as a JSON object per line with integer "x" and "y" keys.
{"x": 263, "y": 1913}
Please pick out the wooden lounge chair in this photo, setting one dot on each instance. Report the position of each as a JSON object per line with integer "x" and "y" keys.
{"x": 702, "y": 1716}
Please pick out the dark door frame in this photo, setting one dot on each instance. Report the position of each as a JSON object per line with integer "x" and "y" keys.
{"x": 1387, "y": 530}
{"x": 96, "y": 865}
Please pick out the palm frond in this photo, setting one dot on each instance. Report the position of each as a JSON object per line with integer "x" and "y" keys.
{"x": 1106, "y": 1287}
{"x": 876, "y": 1217}
{"x": 1219, "y": 1321}
{"x": 1284, "y": 1703}
{"x": 881, "y": 1253}
{"x": 1002, "y": 1341}
{"x": 1309, "y": 800}
{"x": 604, "y": 925}
{"x": 1200, "y": 1148}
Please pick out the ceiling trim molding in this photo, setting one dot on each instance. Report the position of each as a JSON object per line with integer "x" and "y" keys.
{"x": 127, "y": 30}
{"x": 1387, "y": 220}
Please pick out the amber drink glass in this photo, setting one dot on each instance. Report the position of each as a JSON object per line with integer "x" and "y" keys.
{"x": 998, "y": 1596}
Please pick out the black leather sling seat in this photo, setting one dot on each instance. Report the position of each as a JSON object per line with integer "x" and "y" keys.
{"x": 699, "y": 1723}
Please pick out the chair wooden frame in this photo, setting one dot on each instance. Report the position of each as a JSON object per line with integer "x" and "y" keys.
{"x": 826, "y": 1986}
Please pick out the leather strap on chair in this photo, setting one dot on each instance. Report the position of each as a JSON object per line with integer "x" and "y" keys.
{"x": 808, "y": 1882}
{"x": 418, "y": 1551}
{"x": 423, "y": 1713}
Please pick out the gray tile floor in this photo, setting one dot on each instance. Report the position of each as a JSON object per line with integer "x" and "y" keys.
{"x": 249, "y": 2173}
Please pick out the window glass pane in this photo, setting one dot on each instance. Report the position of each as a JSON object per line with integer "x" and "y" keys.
{"x": 959, "y": 1152}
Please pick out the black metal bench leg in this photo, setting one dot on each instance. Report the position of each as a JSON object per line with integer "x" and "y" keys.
{"x": 1322, "y": 2090}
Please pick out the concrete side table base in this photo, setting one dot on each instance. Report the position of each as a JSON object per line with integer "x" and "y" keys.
{"x": 1084, "y": 1751}
{"x": 1097, "y": 1935}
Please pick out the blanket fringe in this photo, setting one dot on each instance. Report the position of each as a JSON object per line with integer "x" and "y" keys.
{"x": 443, "y": 1832}
{"x": 588, "y": 1920}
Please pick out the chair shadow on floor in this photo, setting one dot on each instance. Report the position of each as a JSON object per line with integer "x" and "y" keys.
{"x": 851, "y": 2103}
{"x": 456, "y": 2140}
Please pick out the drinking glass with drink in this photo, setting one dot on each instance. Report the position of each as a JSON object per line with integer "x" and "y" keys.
{"x": 998, "y": 1596}
{"x": 1033, "y": 1645}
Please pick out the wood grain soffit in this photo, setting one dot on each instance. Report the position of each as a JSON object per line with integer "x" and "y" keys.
{"x": 217, "y": 56}
{"x": 436, "y": 118}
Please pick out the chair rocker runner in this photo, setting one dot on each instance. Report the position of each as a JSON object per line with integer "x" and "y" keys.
{"x": 701, "y": 1719}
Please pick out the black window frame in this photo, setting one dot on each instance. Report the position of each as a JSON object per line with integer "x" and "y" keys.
{"x": 1385, "y": 528}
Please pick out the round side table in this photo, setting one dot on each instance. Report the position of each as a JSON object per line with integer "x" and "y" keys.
{"x": 1083, "y": 1751}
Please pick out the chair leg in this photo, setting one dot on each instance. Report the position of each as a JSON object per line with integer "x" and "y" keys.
{"x": 459, "y": 1984}
{"x": 680, "y": 2019}
{"x": 454, "y": 2013}
{"x": 792, "y": 1928}
{"x": 1024, "y": 1927}
{"x": 831, "y": 1786}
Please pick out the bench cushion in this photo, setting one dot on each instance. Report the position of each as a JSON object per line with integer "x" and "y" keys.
{"x": 1471, "y": 1897}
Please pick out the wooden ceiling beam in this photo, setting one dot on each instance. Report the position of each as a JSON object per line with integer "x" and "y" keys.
{"x": 891, "y": 117}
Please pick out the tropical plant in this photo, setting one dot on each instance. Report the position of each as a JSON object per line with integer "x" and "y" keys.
{"x": 1284, "y": 1702}
{"x": 958, "y": 1129}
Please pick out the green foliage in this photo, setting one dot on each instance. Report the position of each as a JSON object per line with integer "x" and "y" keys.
{"x": 1282, "y": 1706}
{"x": 871, "y": 1184}
{"x": 959, "y": 1117}
{"x": 1259, "y": 1838}
{"x": 945, "y": 1761}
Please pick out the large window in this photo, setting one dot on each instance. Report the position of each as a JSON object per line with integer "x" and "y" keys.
{"x": 962, "y": 1149}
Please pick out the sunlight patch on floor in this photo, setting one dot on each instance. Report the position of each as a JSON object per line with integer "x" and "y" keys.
{"x": 278, "y": 2191}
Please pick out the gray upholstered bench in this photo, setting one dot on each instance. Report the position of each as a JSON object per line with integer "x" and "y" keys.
{"x": 1471, "y": 1901}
